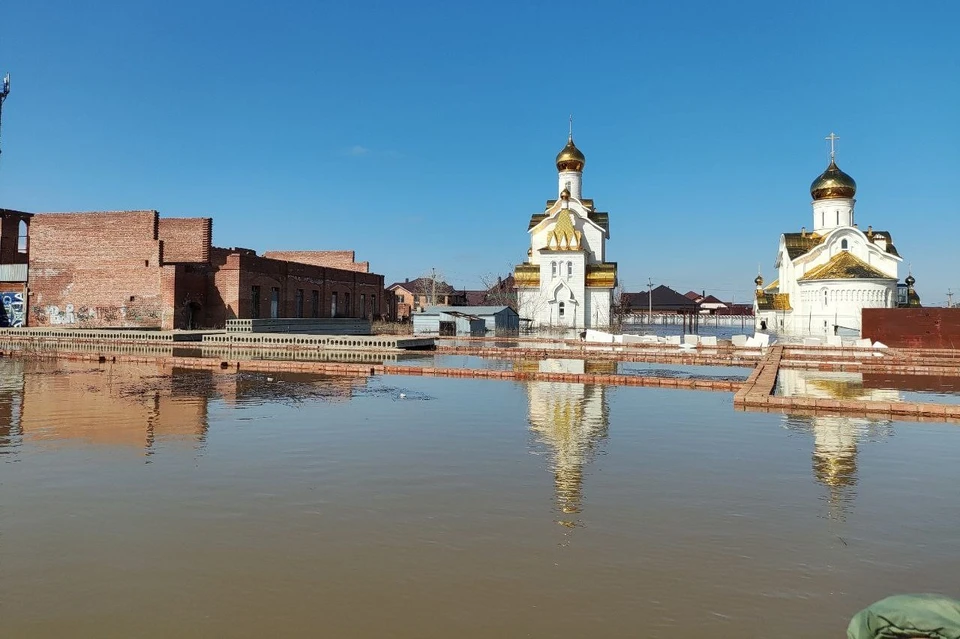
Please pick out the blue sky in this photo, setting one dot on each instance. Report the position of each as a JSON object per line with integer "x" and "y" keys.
{"x": 423, "y": 134}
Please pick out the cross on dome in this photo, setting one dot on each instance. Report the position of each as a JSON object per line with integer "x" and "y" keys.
{"x": 833, "y": 137}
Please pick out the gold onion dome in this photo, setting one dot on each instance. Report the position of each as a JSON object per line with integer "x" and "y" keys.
{"x": 833, "y": 183}
{"x": 570, "y": 158}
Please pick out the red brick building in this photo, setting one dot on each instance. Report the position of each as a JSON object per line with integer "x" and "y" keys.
{"x": 134, "y": 269}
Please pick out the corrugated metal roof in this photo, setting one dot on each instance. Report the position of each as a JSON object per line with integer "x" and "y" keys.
{"x": 466, "y": 310}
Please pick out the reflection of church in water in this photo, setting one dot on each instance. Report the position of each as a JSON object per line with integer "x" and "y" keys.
{"x": 836, "y": 439}
{"x": 569, "y": 420}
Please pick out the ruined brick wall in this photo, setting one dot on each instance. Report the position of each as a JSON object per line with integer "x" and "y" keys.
{"x": 191, "y": 299}
{"x": 96, "y": 270}
{"x": 913, "y": 327}
{"x": 238, "y": 273}
{"x": 14, "y": 236}
{"x": 186, "y": 239}
{"x": 333, "y": 259}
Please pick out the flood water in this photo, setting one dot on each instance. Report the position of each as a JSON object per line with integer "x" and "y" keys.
{"x": 880, "y": 387}
{"x": 135, "y": 503}
{"x": 567, "y": 365}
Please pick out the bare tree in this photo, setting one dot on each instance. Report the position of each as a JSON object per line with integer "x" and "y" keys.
{"x": 619, "y": 308}
{"x": 500, "y": 291}
{"x": 429, "y": 287}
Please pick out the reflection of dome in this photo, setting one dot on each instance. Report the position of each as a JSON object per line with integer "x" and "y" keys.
{"x": 569, "y": 419}
{"x": 833, "y": 183}
{"x": 835, "y": 448}
{"x": 570, "y": 158}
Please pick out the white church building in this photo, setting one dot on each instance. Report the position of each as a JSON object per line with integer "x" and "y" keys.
{"x": 827, "y": 275}
{"x": 566, "y": 282}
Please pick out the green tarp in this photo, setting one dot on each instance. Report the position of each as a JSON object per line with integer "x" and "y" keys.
{"x": 901, "y": 616}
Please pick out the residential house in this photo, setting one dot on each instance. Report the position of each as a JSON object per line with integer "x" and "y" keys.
{"x": 413, "y": 295}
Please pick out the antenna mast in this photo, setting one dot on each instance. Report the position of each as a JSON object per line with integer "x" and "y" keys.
{"x": 4, "y": 92}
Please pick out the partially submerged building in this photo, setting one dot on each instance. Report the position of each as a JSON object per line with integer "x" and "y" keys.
{"x": 461, "y": 320}
{"x": 134, "y": 269}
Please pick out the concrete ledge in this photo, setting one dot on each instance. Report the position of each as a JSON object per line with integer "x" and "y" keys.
{"x": 364, "y": 342}
{"x": 302, "y": 325}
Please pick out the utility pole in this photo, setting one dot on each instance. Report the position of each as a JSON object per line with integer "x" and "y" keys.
{"x": 650, "y": 300}
{"x": 4, "y": 92}
{"x": 433, "y": 287}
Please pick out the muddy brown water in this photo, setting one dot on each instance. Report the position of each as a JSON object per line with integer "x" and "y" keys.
{"x": 134, "y": 503}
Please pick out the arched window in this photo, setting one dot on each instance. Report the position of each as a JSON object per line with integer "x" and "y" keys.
{"x": 22, "y": 239}
{"x": 560, "y": 309}
{"x": 825, "y": 297}
{"x": 553, "y": 268}
{"x": 569, "y": 269}
{"x": 843, "y": 245}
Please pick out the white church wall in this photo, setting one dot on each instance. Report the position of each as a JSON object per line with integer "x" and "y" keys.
{"x": 572, "y": 181}
{"x": 832, "y": 213}
{"x": 598, "y": 304}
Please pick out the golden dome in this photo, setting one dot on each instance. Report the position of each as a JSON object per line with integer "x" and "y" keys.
{"x": 833, "y": 183}
{"x": 570, "y": 158}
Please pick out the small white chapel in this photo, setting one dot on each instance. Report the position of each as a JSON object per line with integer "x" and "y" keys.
{"x": 828, "y": 275}
{"x": 565, "y": 281}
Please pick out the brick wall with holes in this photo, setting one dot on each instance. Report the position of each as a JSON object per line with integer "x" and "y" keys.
{"x": 132, "y": 269}
{"x": 95, "y": 270}
{"x": 267, "y": 287}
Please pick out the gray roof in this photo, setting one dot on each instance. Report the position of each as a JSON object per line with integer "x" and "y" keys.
{"x": 466, "y": 310}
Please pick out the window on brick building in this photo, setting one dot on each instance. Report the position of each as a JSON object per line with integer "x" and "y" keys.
{"x": 315, "y": 303}
{"x": 22, "y": 242}
{"x": 363, "y": 304}
{"x": 346, "y": 305}
{"x": 299, "y": 302}
{"x": 255, "y": 302}
{"x": 274, "y": 302}
{"x": 373, "y": 306}
{"x": 333, "y": 304}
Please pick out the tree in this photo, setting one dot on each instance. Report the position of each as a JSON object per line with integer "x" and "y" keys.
{"x": 619, "y": 307}
{"x": 429, "y": 288}
{"x": 500, "y": 291}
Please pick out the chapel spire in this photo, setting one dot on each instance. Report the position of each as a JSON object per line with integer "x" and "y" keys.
{"x": 570, "y": 163}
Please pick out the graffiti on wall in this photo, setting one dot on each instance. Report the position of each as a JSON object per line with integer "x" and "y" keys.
{"x": 70, "y": 315}
{"x": 13, "y": 309}
{"x": 66, "y": 316}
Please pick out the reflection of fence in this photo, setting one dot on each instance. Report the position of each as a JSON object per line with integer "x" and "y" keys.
{"x": 55, "y": 348}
